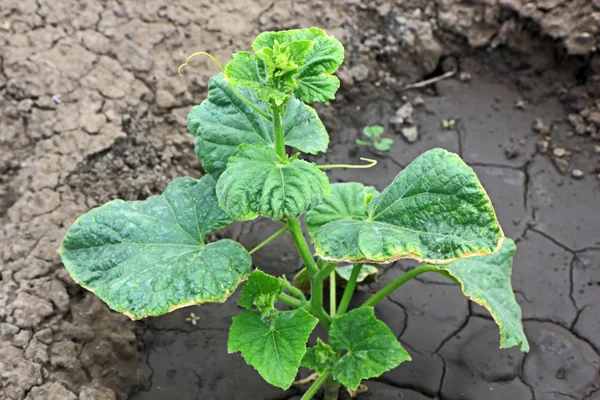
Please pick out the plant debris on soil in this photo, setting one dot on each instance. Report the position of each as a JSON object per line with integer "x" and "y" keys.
{"x": 92, "y": 109}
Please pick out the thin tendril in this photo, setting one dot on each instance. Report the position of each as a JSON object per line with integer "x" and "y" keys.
{"x": 371, "y": 163}
{"x": 200, "y": 53}
{"x": 239, "y": 96}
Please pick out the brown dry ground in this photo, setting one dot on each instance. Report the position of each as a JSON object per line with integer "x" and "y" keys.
{"x": 91, "y": 109}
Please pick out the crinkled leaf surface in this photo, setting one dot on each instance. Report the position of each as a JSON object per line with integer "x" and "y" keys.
{"x": 347, "y": 201}
{"x": 314, "y": 79}
{"x": 146, "y": 258}
{"x": 254, "y": 72}
{"x": 257, "y": 183}
{"x": 274, "y": 348}
{"x": 434, "y": 211}
{"x": 260, "y": 291}
{"x": 320, "y": 357}
{"x": 222, "y": 122}
{"x": 486, "y": 281}
{"x": 371, "y": 347}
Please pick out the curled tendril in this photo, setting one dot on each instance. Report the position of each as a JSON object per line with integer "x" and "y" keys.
{"x": 200, "y": 53}
{"x": 371, "y": 163}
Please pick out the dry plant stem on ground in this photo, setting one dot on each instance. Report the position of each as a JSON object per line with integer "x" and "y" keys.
{"x": 147, "y": 258}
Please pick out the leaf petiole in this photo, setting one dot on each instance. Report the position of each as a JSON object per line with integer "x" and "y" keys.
{"x": 269, "y": 239}
{"x": 294, "y": 291}
{"x": 371, "y": 163}
{"x": 396, "y": 283}
{"x": 349, "y": 291}
{"x": 332, "y": 294}
{"x": 289, "y": 300}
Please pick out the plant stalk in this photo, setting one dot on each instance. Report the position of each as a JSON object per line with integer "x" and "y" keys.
{"x": 332, "y": 389}
{"x": 314, "y": 388}
{"x": 396, "y": 283}
{"x": 278, "y": 130}
{"x": 316, "y": 285}
{"x": 294, "y": 291}
{"x": 349, "y": 291}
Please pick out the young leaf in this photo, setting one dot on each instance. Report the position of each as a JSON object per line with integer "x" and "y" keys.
{"x": 257, "y": 183}
{"x": 486, "y": 281}
{"x": 363, "y": 142}
{"x": 254, "y": 72}
{"x": 345, "y": 202}
{"x": 147, "y": 258}
{"x": 383, "y": 145}
{"x": 373, "y": 131}
{"x": 222, "y": 122}
{"x": 260, "y": 291}
{"x": 372, "y": 347}
{"x": 320, "y": 357}
{"x": 367, "y": 274}
{"x": 315, "y": 82}
{"x": 274, "y": 349}
{"x": 435, "y": 211}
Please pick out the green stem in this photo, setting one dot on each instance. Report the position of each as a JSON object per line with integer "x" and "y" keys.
{"x": 396, "y": 283}
{"x": 326, "y": 270}
{"x": 269, "y": 239}
{"x": 332, "y": 294}
{"x": 278, "y": 130}
{"x": 349, "y": 291}
{"x": 289, "y": 300}
{"x": 316, "y": 285}
{"x": 371, "y": 163}
{"x": 332, "y": 389}
{"x": 316, "y": 386}
{"x": 294, "y": 291}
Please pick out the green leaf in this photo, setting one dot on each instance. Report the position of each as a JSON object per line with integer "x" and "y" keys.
{"x": 147, "y": 258}
{"x": 371, "y": 347}
{"x": 260, "y": 291}
{"x": 347, "y": 201}
{"x": 254, "y": 72}
{"x": 320, "y": 358}
{"x": 315, "y": 82}
{"x": 373, "y": 131}
{"x": 274, "y": 349}
{"x": 486, "y": 281}
{"x": 222, "y": 122}
{"x": 435, "y": 211}
{"x": 362, "y": 142}
{"x": 367, "y": 274}
{"x": 257, "y": 183}
{"x": 383, "y": 145}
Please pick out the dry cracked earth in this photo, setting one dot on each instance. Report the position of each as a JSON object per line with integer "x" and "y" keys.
{"x": 92, "y": 109}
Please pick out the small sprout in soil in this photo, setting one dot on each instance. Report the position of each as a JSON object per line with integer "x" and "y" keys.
{"x": 148, "y": 258}
{"x": 448, "y": 124}
{"x": 192, "y": 319}
{"x": 373, "y": 133}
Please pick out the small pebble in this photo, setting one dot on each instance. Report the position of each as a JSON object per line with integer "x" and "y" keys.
{"x": 597, "y": 149}
{"x": 418, "y": 101}
{"x": 465, "y": 76}
{"x": 517, "y": 221}
{"x": 542, "y": 146}
{"x": 56, "y": 99}
{"x": 559, "y": 151}
{"x": 520, "y": 104}
{"x": 577, "y": 173}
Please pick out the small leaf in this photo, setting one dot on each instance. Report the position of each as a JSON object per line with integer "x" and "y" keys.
{"x": 363, "y": 142}
{"x": 371, "y": 347}
{"x": 383, "y": 145}
{"x": 260, "y": 291}
{"x": 274, "y": 349}
{"x": 254, "y": 72}
{"x": 267, "y": 39}
{"x": 435, "y": 211}
{"x": 147, "y": 258}
{"x": 345, "y": 202}
{"x": 222, "y": 122}
{"x": 317, "y": 88}
{"x": 320, "y": 358}
{"x": 486, "y": 281}
{"x": 373, "y": 131}
{"x": 257, "y": 183}
{"x": 367, "y": 274}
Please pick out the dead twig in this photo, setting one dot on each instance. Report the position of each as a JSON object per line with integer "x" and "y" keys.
{"x": 311, "y": 378}
{"x": 428, "y": 82}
